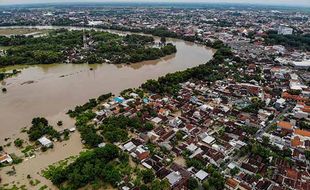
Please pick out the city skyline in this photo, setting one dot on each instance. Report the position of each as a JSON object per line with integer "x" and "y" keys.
{"x": 274, "y": 2}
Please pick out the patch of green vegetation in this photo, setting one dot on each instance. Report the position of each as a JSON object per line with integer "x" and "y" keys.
{"x": 294, "y": 92}
{"x": 250, "y": 130}
{"x": 114, "y": 129}
{"x": 15, "y": 187}
{"x": 18, "y": 142}
{"x": 272, "y": 128}
{"x": 256, "y": 104}
{"x": 52, "y": 169}
{"x": 304, "y": 125}
{"x": 307, "y": 154}
{"x": 28, "y": 150}
{"x": 208, "y": 72}
{"x": 43, "y": 187}
{"x": 16, "y": 159}
{"x": 8, "y": 144}
{"x": 57, "y": 45}
{"x": 99, "y": 163}
{"x": 92, "y": 103}
{"x": 5, "y": 47}
{"x": 234, "y": 171}
{"x": 4, "y": 74}
{"x": 215, "y": 181}
{"x": 297, "y": 41}
{"x": 192, "y": 183}
{"x": 265, "y": 150}
{"x": 39, "y": 128}
{"x": 23, "y": 130}
{"x": 34, "y": 182}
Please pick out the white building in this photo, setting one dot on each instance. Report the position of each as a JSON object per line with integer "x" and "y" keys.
{"x": 280, "y": 103}
{"x": 129, "y": 146}
{"x": 301, "y": 64}
{"x": 156, "y": 120}
{"x": 284, "y": 30}
{"x": 191, "y": 147}
{"x": 300, "y": 112}
{"x": 175, "y": 122}
{"x": 208, "y": 139}
{"x": 201, "y": 175}
{"x": 174, "y": 177}
{"x": 45, "y": 142}
{"x": 5, "y": 158}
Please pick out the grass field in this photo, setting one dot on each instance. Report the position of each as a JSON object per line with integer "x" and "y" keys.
{"x": 19, "y": 31}
{"x": 4, "y": 47}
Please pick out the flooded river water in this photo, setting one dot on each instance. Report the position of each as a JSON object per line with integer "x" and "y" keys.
{"x": 50, "y": 90}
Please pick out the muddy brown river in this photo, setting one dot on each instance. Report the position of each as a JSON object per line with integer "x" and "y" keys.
{"x": 50, "y": 90}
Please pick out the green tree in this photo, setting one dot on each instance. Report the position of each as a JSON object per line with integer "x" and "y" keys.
{"x": 192, "y": 183}
{"x": 234, "y": 171}
{"x": 163, "y": 40}
{"x": 266, "y": 141}
{"x": 59, "y": 123}
{"x": 147, "y": 175}
{"x": 149, "y": 126}
{"x": 159, "y": 185}
{"x": 18, "y": 142}
{"x": 39, "y": 128}
{"x": 112, "y": 176}
{"x": 307, "y": 154}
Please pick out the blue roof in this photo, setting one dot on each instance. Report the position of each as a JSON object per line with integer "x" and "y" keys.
{"x": 194, "y": 99}
{"x": 119, "y": 99}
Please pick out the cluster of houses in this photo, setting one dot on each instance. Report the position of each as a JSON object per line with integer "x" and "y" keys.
{"x": 209, "y": 124}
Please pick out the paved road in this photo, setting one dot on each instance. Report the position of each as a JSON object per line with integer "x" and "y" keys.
{"x": 260, "y": 133}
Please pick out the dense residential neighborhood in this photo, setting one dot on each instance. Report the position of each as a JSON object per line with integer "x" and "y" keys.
{"x": 240, "y": 121}
{"x": 209, "y": 126}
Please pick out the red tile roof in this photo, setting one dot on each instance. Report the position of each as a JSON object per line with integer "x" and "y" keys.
{"x": 295, "y": 142}
{"x": 291, "y": 173}
{"x": 298, "y": 98}
{"x": 143, "y": 155}
{"x": 232, "y": 182}
{"x": 285, "y": 125}
{"x": 301, "y": 132}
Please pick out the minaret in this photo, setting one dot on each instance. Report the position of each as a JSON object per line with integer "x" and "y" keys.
{"x": 84, "y": 39}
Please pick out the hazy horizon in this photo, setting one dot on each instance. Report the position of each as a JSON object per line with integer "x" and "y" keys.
{"x": 273, "y": 2}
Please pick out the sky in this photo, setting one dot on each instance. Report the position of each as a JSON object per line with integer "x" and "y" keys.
{"x": 273, "y": 2}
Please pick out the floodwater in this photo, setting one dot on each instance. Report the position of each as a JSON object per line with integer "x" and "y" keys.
{"x": 51, "y": 90}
